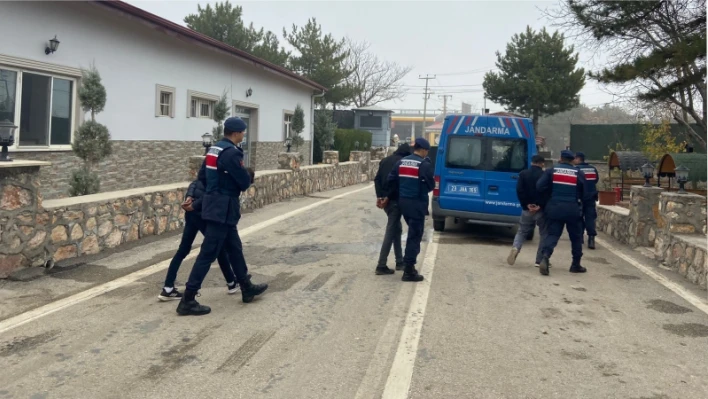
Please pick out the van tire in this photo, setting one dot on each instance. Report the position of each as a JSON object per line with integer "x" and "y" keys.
{"x": 439, "y": 225}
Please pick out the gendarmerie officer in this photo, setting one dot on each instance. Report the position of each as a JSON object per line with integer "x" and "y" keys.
{"x": 589, "y": 209}
{"x": 413, "y": 179}
{"x": 564, "y": 185}
{"x": 226, "y": 178}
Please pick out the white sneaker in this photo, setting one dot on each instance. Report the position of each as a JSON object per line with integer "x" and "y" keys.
{"x": 512, "y": 256}
{"x": 232, "y": 290}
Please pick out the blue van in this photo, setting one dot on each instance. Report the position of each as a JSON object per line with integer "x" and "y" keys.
{"x": 476, "y": 169}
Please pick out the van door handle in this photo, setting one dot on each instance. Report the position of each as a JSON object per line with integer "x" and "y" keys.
{"x": 493, "y": 188}
{"x": 515, "y": 177}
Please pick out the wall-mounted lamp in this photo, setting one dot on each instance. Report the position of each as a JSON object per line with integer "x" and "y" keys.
{"x": 249, "y": 92}
{"x": 53, "y": 46}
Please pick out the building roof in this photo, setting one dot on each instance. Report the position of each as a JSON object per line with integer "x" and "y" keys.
{"x": 509, "y": 114}
{"x": 174, "y": 28}
{"x": 695, "y": 162}
{"x": 434, "y": 127}
{"x": 372, "y": 108}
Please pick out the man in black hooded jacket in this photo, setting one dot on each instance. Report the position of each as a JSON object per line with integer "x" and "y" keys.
{"x": 386, "y": 200}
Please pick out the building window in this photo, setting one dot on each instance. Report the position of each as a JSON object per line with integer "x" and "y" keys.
{"x": 41, "y": 105}
{"x": 287, "y": 124}
{"x": 372, "y": 122}
{"x": 201, "y": 105}
{"x": 164, "y": 101}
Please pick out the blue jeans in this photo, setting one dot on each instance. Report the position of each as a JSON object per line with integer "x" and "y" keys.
{"x": 193, "y": 224}
{"x": 394, "y": 229}
{"x": 218, "y": 239}
{"x": 527, "y": 223}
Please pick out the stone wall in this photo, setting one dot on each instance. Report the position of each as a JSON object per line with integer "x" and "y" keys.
{"x": 265, "y": 154}
{"x": 682, "y": 213}
{"x": 644, "y": 215}
{"x": 614, "y": 221}
{"x": 23, "y": 234}
{"x": 33, "y": 233}
{"x": 92, "y": 223}
{"x": 132, "y": 164}
{"x": 685, "y": 254}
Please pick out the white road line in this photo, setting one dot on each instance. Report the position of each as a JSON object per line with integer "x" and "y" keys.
{"x": 399, "y": 378}
{"x": 677, "y": 289}
{"x": 56, "y": 306}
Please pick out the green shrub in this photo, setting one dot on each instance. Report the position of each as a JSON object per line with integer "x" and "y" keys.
{"x": 84, "y": 182}
{"x": 344, "y": 140}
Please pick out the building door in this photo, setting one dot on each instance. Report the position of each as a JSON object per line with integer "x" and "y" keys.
{"x": 245, "y": 114}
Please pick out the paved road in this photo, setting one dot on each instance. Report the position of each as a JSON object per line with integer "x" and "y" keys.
{"x": 329, "y": 328}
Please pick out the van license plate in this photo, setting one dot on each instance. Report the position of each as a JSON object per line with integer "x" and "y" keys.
{"x": 462, "y": 189}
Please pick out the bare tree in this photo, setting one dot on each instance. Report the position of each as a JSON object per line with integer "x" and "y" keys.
{"x": 373, "y": 80}
{"x": 654, "y": 53}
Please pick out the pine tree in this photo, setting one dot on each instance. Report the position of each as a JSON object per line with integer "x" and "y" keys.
{"x": 298, "y": 126}
{"x": 537, "y": 76}
{"x": 322, "y": 59}
{"x": 92, "y": 142}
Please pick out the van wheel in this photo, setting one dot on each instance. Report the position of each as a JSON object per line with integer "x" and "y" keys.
{"x": 529, "y": 236}
{"x": 439, "y": 225}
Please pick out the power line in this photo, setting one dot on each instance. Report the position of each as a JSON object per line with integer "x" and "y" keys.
{"x": 425, "y": 102}
{"x": 470, "y": 72}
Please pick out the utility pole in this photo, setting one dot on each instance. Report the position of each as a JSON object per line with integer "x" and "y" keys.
{"x": 445, "y": 97}
{"x": 425, "y": 100}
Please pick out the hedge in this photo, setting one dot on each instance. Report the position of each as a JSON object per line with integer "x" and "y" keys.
{"x": 344, "y": 140}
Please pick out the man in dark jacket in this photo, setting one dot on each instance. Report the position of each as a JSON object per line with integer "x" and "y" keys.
{"x": 412, "y": 179}
{"x": 532, "y": 204}
{"x": 193, "y": 223}
{"x": 388, "y": 201}
{"x": 226, "y": 179}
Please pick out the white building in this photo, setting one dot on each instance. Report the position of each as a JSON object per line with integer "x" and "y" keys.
{"x": 162, "y": 81}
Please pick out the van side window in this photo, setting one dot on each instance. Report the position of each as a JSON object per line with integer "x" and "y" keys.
{"x": 464, "y": 152}
{"x": 509, "y": 155}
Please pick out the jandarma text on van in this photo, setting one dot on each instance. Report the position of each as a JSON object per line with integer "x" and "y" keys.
{"x": 488, "y": 130}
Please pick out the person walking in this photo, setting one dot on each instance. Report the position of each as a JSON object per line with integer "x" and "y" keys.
{"x": 193, "y": 224}
{"x": 564, "y": 184}
{"x": 589, "y": 207}
{"x": 226, "y": 179}
{"x": 411, "y": 180}
{"x": 532, "y": 205}
{"x": 388, "y": 201}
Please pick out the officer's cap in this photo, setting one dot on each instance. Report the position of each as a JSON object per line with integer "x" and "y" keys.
{"x": 580, "y": 155}
{"x": 234, "y": 124}
{"x": 567, "y": 154}
{"x": 422, "y": 143}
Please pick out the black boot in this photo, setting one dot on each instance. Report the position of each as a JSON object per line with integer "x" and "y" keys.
{"x": 591, "y": 242}
{"x": 383, "y": 270}
{"x": 410, "y": 274}
{"x": 189, "y": 306}
{"x": 544, "y": 266}
{"x": 250, "y": 290}
{"x": 576, "y": 268}
{"x": 399, "y": 266}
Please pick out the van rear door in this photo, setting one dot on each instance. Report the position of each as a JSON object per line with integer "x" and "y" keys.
{"x": 462, "y": 174}
{"x": 508, "y": 157}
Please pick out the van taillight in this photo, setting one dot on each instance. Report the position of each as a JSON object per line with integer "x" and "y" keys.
{"x": 436, "y": 190}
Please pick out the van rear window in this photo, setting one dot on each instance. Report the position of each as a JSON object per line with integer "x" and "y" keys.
{"x": 509, "y": 155}
{"x": 465, "y": 152}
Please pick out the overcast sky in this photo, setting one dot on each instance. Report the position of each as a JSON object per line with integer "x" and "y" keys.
{"x": 456, "y": 41}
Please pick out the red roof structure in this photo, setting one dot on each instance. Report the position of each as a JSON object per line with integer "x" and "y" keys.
{"x": 182, "y": 32}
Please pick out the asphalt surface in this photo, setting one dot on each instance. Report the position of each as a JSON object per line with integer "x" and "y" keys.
{"x": 329, "y": 328}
